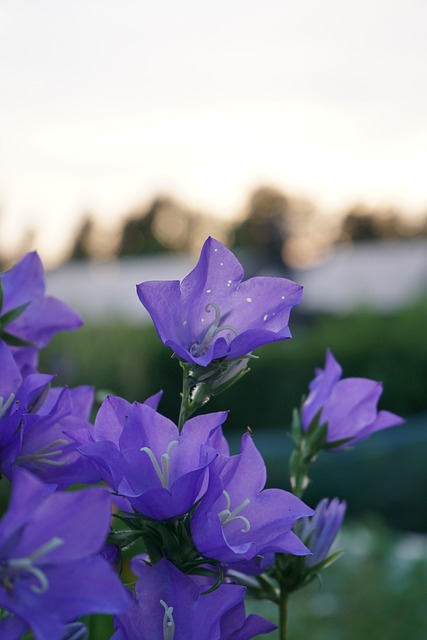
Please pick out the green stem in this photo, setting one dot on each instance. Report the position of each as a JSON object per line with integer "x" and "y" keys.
{"x": 184, "y": 410}
{"x": 283, "y": 614}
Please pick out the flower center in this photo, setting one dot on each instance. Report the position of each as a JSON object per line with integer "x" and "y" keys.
{"x": 227, "y": 516}
{"x": 168, "y": 622}
{"x": 45, "y": 455}
{"x": 4, "y": 406}
{"x": 10, "y": 569}
{"x": 200, "y": 348}
{"x": 163, "y": 470}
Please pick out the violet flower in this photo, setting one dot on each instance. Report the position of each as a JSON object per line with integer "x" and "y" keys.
{"x": 212, "y": 314}
{"x": 143, "y": 457}
{"x": 49, "y": 440}
{"x": 18, "y": 397}
{"x": 41, "y": 427}
{"x": 237, "y": 520}
{"x": 320, "y": 531}
{"x": 348, "y": 406}
{"x": 170, "y": 605}
{"x": 51, "y": 570}
{"x": 29, "y": 318}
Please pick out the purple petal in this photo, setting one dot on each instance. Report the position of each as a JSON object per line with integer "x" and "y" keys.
{"x": 23, "y": 283}
{"x": 43, "y": 319}
{"x": 10, "y": 377}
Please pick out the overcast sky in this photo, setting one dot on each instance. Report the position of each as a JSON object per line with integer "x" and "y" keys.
{"x": 104, "y": 103}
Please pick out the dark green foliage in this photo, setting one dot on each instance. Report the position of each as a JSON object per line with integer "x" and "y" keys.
{"x": 131, "y": 362}
{"x": 387, "y": 474}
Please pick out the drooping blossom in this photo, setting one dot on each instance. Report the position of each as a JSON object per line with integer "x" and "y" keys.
{"x": 50, "y": 438}
{"x": 143, "y": 457}
{"x": 212, "y": 314}
{"x": 320, "y": 531}
{"x": 237, "y": 519}
{"x": 18, "y": 396}
{"x": 51, "y": 570}
{"x": 29, "y": 318}
{"x": 170, "y": 605}
{"x": 348, "y": 406}
{"x": 41, "y": 427}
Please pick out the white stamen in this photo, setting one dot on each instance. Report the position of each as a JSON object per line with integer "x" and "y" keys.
{"x": 17, "y": 566}
{"x": 163, "y": 471}
{"x": 168, "y": 622}
{"x": 227, "y": 516}
{"x": 4, "y": 407}
{"x": 198, "y": 349}
{"x": 44, "y": 455}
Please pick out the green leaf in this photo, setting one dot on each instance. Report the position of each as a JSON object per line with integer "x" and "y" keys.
{"x": 124, "y": 538}
{"x": 337, "y": 443}
{"x": 14, "y": 341}
{"x": 317, "y": 440}
{"x": 296, "y": 429}
{"x": 11, "y": 315}
{"x": 327, "y": 561}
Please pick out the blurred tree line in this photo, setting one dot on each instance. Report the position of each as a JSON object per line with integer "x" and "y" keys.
{"x": 273, "y": 228}
{"x": 272, "y": 231}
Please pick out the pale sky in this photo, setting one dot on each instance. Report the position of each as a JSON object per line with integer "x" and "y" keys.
{"x": 104, "y": 103}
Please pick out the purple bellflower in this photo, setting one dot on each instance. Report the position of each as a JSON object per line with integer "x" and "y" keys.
{"x": 29, "y": 318}
{"x": 51, "y": 570}
{"x": 212, "y": 314}
{"x": 170, "y": 605}
{"x": 320, "y": 531}
{"x": 142, "y": 456}
{"x": 237, "y": 520}
{"x": 18, "y": 396}
{"x": 49, "y": 439}
{"x": 348, "y": 406}
{"x": 41, "y": 427}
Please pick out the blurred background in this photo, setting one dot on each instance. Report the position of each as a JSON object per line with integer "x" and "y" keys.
{"x": 294, "y": 132}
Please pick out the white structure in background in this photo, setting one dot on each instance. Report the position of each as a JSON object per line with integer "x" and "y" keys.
{"x": 379, "y": 275}
{"x": 106, "y": 291}
{"x": 383, "y": 276}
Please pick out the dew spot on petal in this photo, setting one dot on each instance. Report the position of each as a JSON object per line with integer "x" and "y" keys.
{"x": 208, "y": 290}
{"x": 265, "y": 317}
{"x": 248, "y": 299}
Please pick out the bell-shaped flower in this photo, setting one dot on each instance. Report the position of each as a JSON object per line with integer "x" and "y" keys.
{"x": 18, "y": 397}
{"x": 212, "y": 314}
{"x": 348, "y": 406}
{"x": 51, "y": 570}
{"x": 170, "y": 605}
{"x": 41, "y": 427}
{"x": 29, "y": 318}
{"x": 142, "y": 456}
{"x": 320, "y": 531}
{"x": 48, "y": 440}
{"x": 237, "y": 519}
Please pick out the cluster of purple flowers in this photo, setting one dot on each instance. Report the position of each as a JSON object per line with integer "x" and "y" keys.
{"x": 203, "y": 515}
